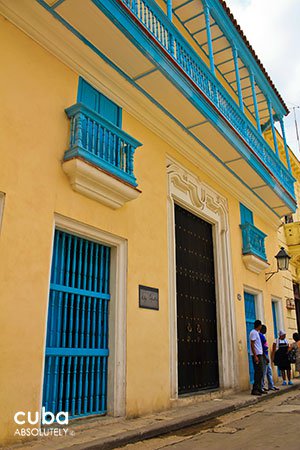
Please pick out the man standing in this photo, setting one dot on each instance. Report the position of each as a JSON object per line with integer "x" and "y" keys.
{"x": 256, "y": 351}
{"x": 267, "y": 370}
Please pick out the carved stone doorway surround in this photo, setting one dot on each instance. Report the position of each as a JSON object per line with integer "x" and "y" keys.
{"x": 186, "y": 190}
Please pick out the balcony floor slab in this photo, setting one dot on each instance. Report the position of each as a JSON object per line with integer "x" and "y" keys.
{"x": 97, "y": 184}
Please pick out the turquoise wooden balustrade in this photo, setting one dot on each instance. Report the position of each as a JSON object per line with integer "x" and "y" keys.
{"x": 253, "y": 241}
{"x": 152, "y": 17}
{"x": 101, "y": 143}
{"x": 75, "y": 376}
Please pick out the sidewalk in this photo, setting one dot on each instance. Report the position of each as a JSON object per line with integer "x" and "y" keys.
{"x": 108, "y": 433}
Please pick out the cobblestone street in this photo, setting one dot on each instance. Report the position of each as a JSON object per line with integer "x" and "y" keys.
{"x": 273, "y": 424}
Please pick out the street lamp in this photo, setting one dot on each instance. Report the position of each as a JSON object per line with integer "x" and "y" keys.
{"x": 283, "y": 260}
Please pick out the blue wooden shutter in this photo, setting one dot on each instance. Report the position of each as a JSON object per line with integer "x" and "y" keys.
{"x": 96, "y": 101}
{"x": 246, "y": 215}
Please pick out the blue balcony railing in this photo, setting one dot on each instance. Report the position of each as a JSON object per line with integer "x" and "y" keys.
{"x": 166, "y": 34}
{"x": 101, "y": 143}
{"x": 253, "y": 241}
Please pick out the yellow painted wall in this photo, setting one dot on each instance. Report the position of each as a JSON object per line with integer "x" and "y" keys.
{"x": 35, "y": 90}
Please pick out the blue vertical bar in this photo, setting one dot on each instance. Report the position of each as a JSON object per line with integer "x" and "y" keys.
{"x": 109, "y": 147}
{"x": 237, "y": 76}
{"x": 87, "y": 133}
{"x": 61, "y": 384}
{"x": 92, "y": 382}
{"x": 169, "y": 9}
{"x": 60, "y": 294}
{"x": 84, "y": 298}
{"x": 54, "y": 277}
{"x": 90, "y": 280}
{"x": 98, "y": 140}
{"x": 72, "y": 270}
{"x": 252, "y": 81}
{"x": 73, "y": 404}
{"x": 78, "y": 303}
{"x": 93, "y": 135}
{"x": 273, "y": 127}
{"x": 68, "y": 383}
{"x": 55, "y": 382}
{"x": 80, "y": 385}
{"x": 208, "y": 34}
{"x": 285, "y": 145}
{"x": 98, "y": 379}
{"x": 101, "y": 301}
{"x": 48, "y": 371}
{"x": 86, "y": 385}
{"x": 104, "y": 381}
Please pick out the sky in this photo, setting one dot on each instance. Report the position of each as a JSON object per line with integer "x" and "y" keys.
{"x": 273, "y": 29}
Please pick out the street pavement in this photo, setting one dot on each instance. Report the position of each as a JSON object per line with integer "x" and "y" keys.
{"x": 272, "y": 424}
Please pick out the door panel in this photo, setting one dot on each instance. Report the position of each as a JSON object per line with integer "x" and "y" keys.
{"x": 75, "y": 378}
{"x": 196, "y": 304}
{"x": 250, "y": 314}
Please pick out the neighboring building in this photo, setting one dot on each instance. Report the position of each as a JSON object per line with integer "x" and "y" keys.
{"x": 140, "y": 204}
{"x": 289, "y": 238}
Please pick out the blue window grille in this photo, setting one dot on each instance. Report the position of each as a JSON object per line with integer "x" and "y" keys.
{"x": 75, "y": 377}
{"x": 250, "y": 314}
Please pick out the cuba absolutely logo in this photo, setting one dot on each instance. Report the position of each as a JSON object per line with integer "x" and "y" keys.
{"x": 47, "y": 417}
{"x": 41, "y": 419}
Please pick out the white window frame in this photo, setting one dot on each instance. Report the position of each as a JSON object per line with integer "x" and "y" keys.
{"x": 279, "y": 312}
{"x": 116, "y": 377}
{"x": 259, "y": 302}
{"x": 2, "y": 201}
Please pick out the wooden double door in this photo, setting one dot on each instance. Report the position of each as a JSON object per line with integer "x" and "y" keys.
{"x": 196, "y": 304}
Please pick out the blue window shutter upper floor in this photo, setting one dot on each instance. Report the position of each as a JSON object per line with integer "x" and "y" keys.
{"x": 96, "y": 101}
{"x": 246, "y": 215}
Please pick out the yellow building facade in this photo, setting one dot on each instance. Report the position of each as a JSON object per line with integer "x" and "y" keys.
{"x": 116, "y": 217}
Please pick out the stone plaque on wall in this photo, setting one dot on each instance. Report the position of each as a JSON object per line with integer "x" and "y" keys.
{"x": 148, "y": 297}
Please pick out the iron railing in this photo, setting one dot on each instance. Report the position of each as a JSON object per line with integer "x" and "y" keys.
{"x": 151, "y": 16}
{"x": 253, "y": 241}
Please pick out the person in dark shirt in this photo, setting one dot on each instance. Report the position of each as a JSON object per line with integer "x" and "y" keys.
{"x": 267, "y": 369}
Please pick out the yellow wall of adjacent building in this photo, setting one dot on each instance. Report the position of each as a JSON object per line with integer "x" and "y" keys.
{"x": 35, "y": 90}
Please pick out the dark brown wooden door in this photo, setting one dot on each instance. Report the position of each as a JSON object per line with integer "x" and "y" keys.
{"x": 297, "y": 303}
{"x": 196, "y": 304}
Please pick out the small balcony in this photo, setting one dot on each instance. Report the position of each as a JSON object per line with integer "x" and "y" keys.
{"x": 254, "y": 251}
{"x": 100, "y": 159}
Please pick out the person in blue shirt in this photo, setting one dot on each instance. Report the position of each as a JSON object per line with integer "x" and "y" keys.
{"x": 267, "y": 369}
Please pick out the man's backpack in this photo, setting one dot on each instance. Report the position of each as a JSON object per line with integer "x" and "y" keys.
{"x": 292, "y": 355}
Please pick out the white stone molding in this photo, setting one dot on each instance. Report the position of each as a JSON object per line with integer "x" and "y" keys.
{"x": 186, "y": 190}
{"x": 2, "y": 200}
{"x": 97, "y": 184}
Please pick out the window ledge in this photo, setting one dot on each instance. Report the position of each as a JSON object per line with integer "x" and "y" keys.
{"x": 97, "y": 184}
{"x": 254, "y": 263}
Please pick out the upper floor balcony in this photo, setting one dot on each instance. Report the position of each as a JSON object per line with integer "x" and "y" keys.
{"x": 193, "y": 64}
{"x": 100, "y": 158}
